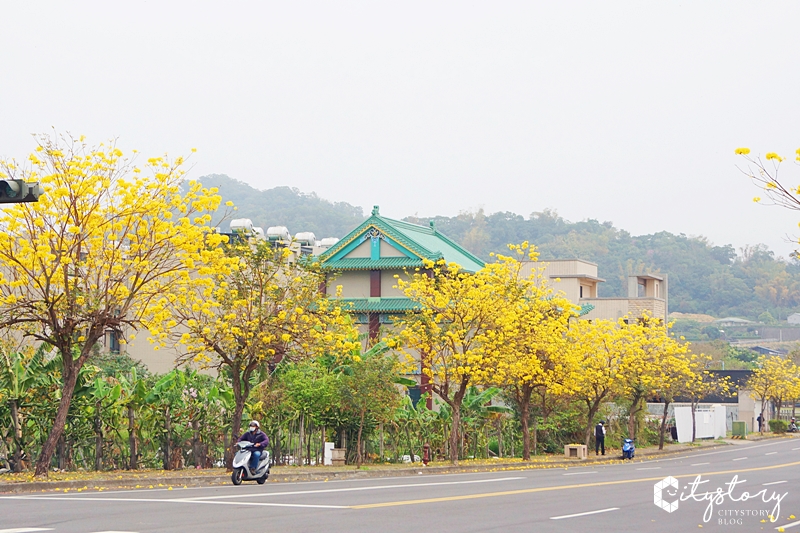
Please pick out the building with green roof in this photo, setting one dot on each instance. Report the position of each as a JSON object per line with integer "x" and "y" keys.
{"x": 365, "y": 262}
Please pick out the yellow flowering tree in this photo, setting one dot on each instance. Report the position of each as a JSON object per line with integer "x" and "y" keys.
{"x": 648, "y": 350}
{"x": 458, "y": 311}
{"x": 250, "y": 309}
{"x": 531, "y": 343}
{"x": 776, "y": 378}
{"x": 600, "y": 346}
{"x": 674, "y": 372}
{"x": 105, "y": 239}
{"x": 764, "y": 174}
{"x": 701, "y": 384}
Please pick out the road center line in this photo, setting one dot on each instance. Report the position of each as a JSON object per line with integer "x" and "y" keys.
{"x": 562, "y": 487}
{"x": 773, "y": 483}
{"x": 739, "y": 459}
{"x": 348, "y": 489}
{"x": 700, "y": 464}
{"x": 579, "y": 473}
{"x": 584, "y": 514}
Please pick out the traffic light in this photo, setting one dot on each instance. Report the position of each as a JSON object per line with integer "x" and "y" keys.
{"x": 19, "y": 191}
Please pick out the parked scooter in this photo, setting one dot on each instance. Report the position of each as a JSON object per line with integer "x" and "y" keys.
{"x": 628, "y": 449}
{"x": 241, "y": 471}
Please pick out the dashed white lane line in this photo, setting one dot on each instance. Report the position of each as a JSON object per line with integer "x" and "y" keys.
{"x": 784, "y": 526}
{"x": 584, "y": 514}
{"x": 25, "y": 529}
{"x": 348, "y": 489}
{"x": 771, "y": 453}
{"x": 652, "y": 468}
{"x": 793, "y": 449}
{"x": 739, "y": 459}
{"x": 700, "y": 464}
{"x": 177, "y": 500}
{"x": 579, "y": 473}
{"x": 773, "y": 483}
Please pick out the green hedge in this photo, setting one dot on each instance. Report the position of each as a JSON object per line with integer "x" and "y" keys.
{"x": 778, "y": 426}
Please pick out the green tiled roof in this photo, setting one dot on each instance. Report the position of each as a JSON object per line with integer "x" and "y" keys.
{"x": 386, "y": 305}
{"x": 423, "y": 241}
{"x": 365, "y": 263}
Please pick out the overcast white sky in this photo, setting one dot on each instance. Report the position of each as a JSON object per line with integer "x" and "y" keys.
{"x": 620, "y": 111}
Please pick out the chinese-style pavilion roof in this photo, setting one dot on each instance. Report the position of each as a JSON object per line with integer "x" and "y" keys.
{"x": 418, "y": 243}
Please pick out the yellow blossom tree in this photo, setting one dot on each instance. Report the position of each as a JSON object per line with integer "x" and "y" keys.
{"x": 105, "y": 239}
{"x": 531, "y": 344}
{"x": 647, "y": 352}
{"x": 458, "y": 311}
{"x": 774, "y": 379}
{"x": 250, "y": 309}
{"x": 600, "y": 346}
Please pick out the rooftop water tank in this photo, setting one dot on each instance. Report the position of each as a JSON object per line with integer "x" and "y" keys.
{"x": 306, "y": 238}
{"x": 259, "y": 233}
{"x": 241, "y": 225}
{"x": 327, "y": 242}
{"x": 278, "y": 233}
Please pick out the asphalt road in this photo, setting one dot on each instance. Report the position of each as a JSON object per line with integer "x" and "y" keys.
{"x": 602, "y": 498}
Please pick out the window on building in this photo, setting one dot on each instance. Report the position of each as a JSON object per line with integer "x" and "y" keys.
{"x": 113, "y": 342}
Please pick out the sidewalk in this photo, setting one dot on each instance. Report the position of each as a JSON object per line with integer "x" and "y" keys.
{"x": 155, "y": 479}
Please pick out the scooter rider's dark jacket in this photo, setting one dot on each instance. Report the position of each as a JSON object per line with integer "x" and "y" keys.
{"x": 255, "y": 437}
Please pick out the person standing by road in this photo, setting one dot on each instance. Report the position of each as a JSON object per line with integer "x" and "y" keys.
{"x": 760, "y": 421}
{"x": 600, "y": 438}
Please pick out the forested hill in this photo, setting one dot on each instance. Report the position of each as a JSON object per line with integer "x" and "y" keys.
{"x": 703, "y": 278}
{"x": 286, "y": 206}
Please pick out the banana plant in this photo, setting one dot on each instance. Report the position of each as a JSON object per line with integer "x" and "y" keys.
{"x": 19, "y": 375}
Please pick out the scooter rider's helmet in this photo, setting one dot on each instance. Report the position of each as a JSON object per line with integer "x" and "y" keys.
{"x": 255, "y": 424}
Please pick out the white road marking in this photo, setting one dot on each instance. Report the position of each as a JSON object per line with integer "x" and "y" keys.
{"x": 584, "y": 514}
{"x": 771, "y": 453}
{"x": 579, "y": 473}
{"x": 739, "y": 459}
{"x": 793, "y": 449}
{"x": 115, "y": 532}
{"x": 700, "y": 464}
{"x": 650, "y": 468}
{"x": 773, "y": 483}
{"x": 25, "y": 529}
{"x": 348, "y": 489}
{"x": 158, "y": 500}
{"x": 784, "y": 526}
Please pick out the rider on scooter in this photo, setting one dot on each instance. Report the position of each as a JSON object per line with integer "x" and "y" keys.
{"x": 259, "y": 440}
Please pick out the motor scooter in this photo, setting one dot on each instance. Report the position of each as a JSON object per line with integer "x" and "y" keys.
{"x": 628, "y": 449}
{"x": 241, "y": 470}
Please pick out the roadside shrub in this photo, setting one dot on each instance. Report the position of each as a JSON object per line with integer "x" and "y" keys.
{"x": 778, "y": 426}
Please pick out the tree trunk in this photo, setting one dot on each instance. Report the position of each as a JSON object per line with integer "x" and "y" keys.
{"x": 359, "y": 458}
{"x": 322, "y": 447}
{"x": 236, "y": 422}
{"x": 197, "y": 448}
{"x": 454, "y": 433}
{"x": 308, "y": 442}
{"x": 632, "y": 412}
{"x": 663, "y": 426}
{"x": 98, "y": 436}
{"x": 381, "y": 442}
{"x": 49, "y": 448}
{"x": 525, "y": 414}
{"x": 134, "y": 459}
{"x": 535, "y": 437}
{"x": 17, "y": 427}
{"x": 593, "y": 407}
{"x": 61, "y": 450}
{"x": 694, "y": 423}
{"x": 301, "y": 439}
{"x": 167, "y": 439}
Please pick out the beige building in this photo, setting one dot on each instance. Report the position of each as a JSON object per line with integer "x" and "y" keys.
{"x": 578, "y": 280}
